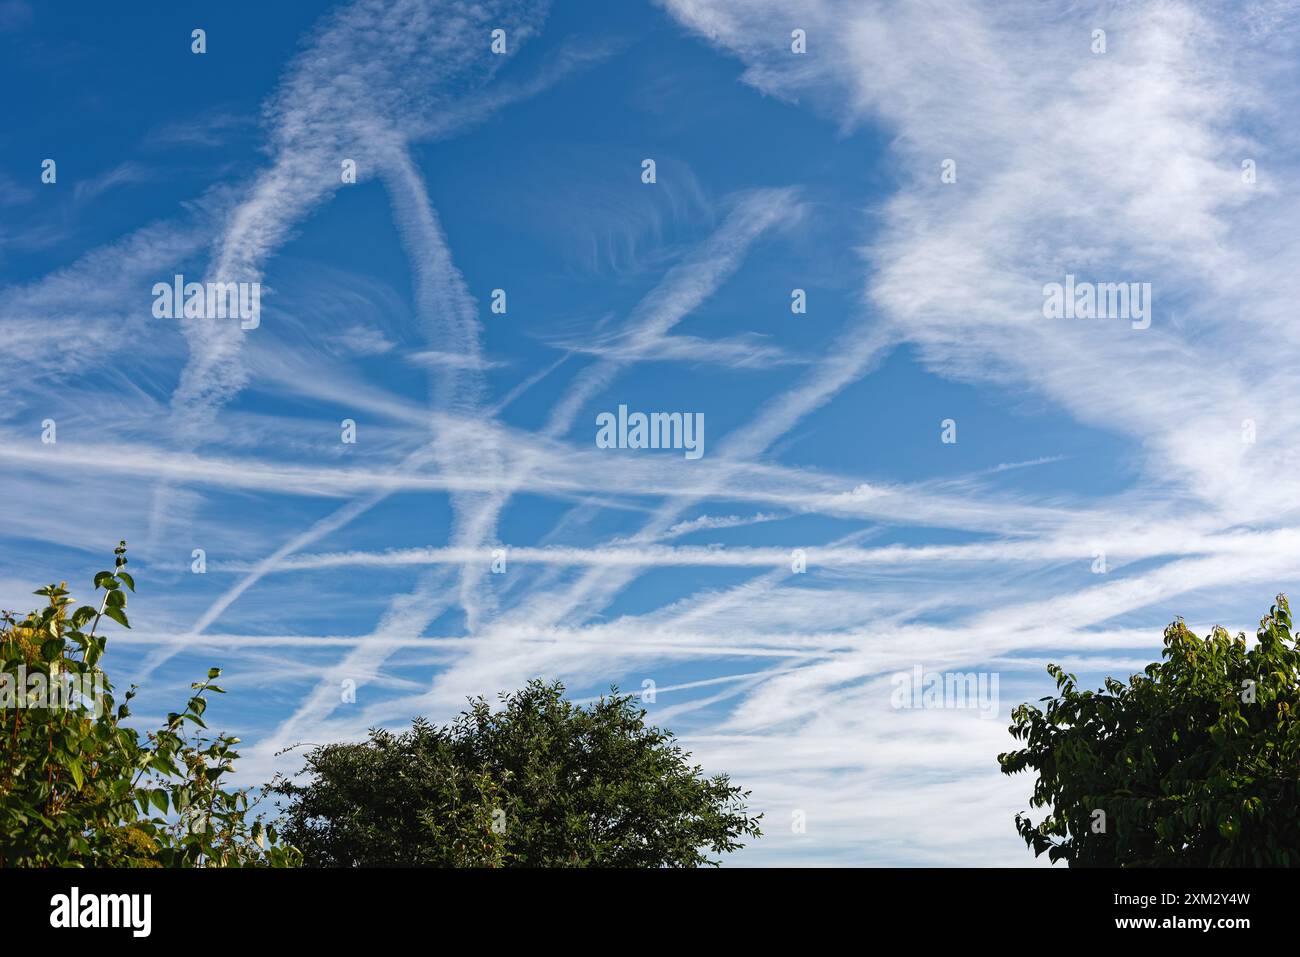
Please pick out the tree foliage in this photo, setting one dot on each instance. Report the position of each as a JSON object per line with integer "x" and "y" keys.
{"x": 1195, "y": 762}
{"x": 538, "y": 782}
{"x": 397, "y": 800}
{"x": 78, "y": 786}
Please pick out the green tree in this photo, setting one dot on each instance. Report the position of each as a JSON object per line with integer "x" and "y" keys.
{"x": 1192, "y": 763}
{"x": 399, "y": 800}
{"x": 78, "y": 787}
{"x": 539, "y": 782}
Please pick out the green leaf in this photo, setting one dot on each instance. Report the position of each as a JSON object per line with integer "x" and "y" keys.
{"x": 118, "y": 616}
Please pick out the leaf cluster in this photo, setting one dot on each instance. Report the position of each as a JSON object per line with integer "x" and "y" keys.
{"x": 1195, "y": 762}
{"x": 537, "y": 782}
{"x": 80, "y": 787}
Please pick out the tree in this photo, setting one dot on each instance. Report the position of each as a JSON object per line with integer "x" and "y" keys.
{"x": 540, "y": 782}
{"x": 399, "y": 800}
{"x": 78, "y": 787}
{"x": 1192, "y": 763}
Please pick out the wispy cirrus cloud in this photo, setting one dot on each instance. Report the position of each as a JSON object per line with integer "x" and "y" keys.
{"x": 627, "y": 567}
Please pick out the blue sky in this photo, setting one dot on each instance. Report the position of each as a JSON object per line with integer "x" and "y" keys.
{"x": 1170, "y": 450}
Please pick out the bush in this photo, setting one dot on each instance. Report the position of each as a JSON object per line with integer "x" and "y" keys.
{"x": 78, "y": 788}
